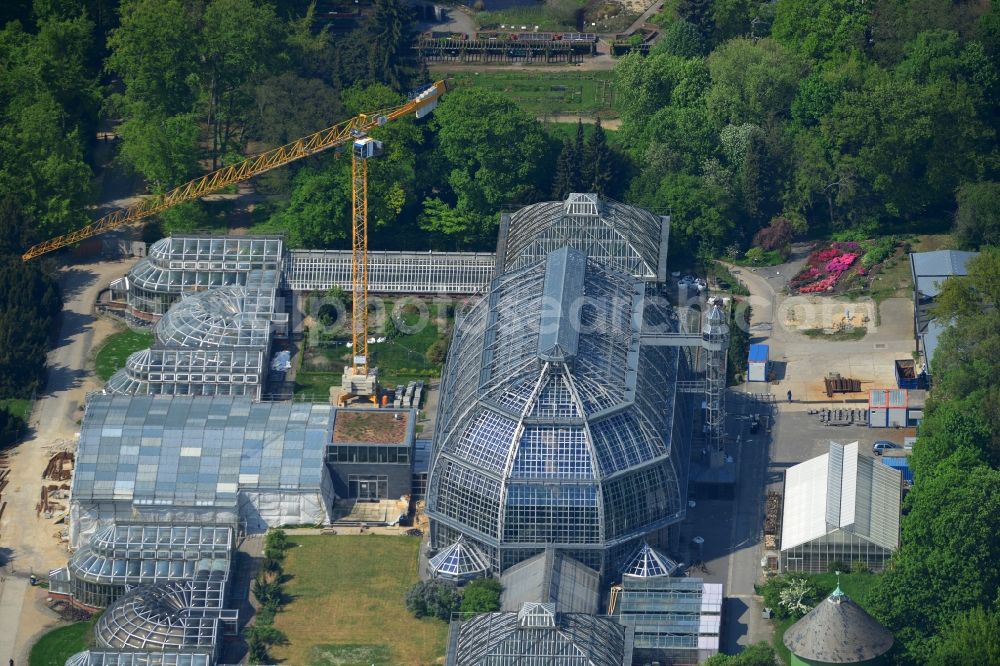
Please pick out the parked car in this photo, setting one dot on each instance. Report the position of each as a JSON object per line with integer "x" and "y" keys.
{"x": 882, "y": 445}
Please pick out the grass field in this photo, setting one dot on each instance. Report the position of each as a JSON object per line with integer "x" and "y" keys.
{"x": 116, "y": 349}
{"x": 857, "y": 333}
{"x": 550, "y": 15}
{"x": 347, "y": 605}
{"x": 55, "y": 647}
{"x": 545, "y": 93}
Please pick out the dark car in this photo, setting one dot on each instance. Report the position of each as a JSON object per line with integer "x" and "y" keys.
{"x": 881, "y": 445}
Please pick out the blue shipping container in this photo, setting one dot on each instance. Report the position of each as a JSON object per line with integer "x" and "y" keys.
{"x": 901, "y": 464}
{"x": 757, "y": 366}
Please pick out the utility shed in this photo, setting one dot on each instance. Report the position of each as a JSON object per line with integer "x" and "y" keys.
{"x": 757, "y": 363}
{"x": 930, "y": 270}
{"x": 840, "y": 507}
{"x": 200, "y": 460}
{"x": 887, "y": 408}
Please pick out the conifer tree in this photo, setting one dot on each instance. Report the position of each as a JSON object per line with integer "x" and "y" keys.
{"x": 600, "y": 161}
{"x": 581, "y": 170}
{"x": 567, "y": 171}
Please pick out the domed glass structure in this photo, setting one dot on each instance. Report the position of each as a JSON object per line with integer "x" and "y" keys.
{"x": 558, "y": 428}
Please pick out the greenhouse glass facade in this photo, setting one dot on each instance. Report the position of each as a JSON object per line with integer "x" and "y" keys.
{"x": 128, "y": 554}
{"x": 557, "y": 428}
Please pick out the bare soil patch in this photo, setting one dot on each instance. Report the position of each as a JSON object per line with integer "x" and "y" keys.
{"x": 376, "y": 427}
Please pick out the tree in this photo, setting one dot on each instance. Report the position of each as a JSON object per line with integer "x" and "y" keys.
{"x": 238, "y": 43}
{"x": 481, "y": 596}
{"x": 698, "y": 13}
{"x": 977, "y": 220}
{"x": 318, "y": 213}
{"x": 566, "y": 166}
{"x": 486, "y": 169}
{"x": 824, "y": 30}
{"x": 163, "y": 149}
{"x": 601, "y": 160}
{"x": 289, "y": 106}
{"x": 432, "y": 598}
{"x": 390, "y": 41}
{"x": 155, "y": 52}
{"x": 970, "y": 638}
{"x": 681, "y": 39}
{"x": 758, "y": 654}
{"x": 580, "y": 172}
{"x": 775, "y": 236}
{"x": 752, "y": 81}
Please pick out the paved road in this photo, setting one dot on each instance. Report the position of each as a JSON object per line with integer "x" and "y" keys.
{"x": 12, "y": 591}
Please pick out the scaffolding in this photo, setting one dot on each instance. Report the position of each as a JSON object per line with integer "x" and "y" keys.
{"x": 715, "y": 335}
{"x": 557, "y": 427}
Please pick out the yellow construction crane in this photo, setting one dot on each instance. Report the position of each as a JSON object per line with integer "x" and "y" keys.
{"x": 338, "y": 135}
{"x": 359, "y": 378}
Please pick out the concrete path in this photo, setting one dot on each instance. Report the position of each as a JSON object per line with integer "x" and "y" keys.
{"x": 12, "y": 591}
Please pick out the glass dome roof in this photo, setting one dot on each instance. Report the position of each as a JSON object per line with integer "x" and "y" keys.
{"x": 459, "y": 561}
{"x": 648, "y": 563}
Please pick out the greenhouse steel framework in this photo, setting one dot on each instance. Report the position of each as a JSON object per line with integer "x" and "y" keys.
{"x": 137, "y": 658}
{"x": 392, "y": 272}
{"x": 557, "y": 428}
{"x": 536, "y": 634}
{"x": 629, "y": 239}
{"x": 125, "y": 555}
{"x": 169, "y": 616}
{"x": 179, "y": 264}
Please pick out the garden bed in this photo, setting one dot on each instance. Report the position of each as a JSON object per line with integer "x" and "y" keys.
{"x": 843, "y": 267}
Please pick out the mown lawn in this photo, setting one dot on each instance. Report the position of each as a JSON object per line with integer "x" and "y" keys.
{"x": 544, "y": 93}
{"x": 116, "y": 350}
{"x": 348, "y": 604}
{"x": 55, "y": 647}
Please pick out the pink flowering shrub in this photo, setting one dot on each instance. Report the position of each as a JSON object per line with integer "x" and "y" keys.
{"x": 840, "y": 264}
{"x": 823, "y": 285}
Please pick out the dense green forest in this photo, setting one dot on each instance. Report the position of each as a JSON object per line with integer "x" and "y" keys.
{"x": 940, "y": 594}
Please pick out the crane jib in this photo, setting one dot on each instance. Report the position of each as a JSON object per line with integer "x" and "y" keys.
{"x": 255, "y": 165}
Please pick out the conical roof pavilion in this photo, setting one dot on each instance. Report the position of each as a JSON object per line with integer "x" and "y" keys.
{"x": 459, "y": 562}
{"x": 838, "y": 631}
{"x": 649, "y": 562}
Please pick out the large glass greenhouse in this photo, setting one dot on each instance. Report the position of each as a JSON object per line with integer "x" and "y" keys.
{"x": 536, "y": 634}
{"x": 129, "y": 554}
{"x": 200, "y": 460}
{"x": 180, "y": 264}
{"x": 171, "y": 616}
{"x": 626, "y": 238}
{"x": 557, "y": 427}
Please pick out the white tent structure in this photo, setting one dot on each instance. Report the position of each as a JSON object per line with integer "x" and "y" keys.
{"x": 221, "y": 460}
{"x": 840, "y": 507}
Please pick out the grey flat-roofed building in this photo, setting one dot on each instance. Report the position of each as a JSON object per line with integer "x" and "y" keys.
{"x": 551, "y": 578}
{"x": 371, "y": 453}
{"x": 222, "y": 460}
{"x": 536, "y": 634}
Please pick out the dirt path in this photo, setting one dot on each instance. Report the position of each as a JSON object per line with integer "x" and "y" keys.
{"x": 31, "y": 540}
{"x": 608, "y": 124}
